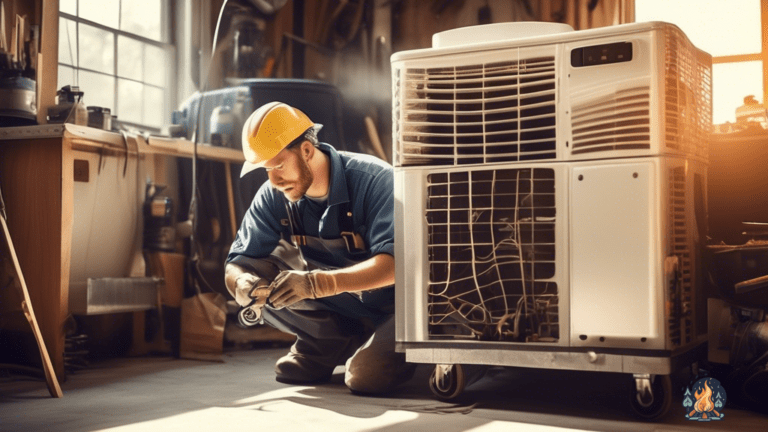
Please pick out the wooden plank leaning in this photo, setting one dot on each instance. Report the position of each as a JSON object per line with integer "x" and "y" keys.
{"x": 26, "y": 306}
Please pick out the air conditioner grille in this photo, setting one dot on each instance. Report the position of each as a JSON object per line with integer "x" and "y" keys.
{"x": 496, "y": 112}
{"x": 620, "y": 121}
{"x": 688, "y": 96}
{"x": 491, "y": 252}
{"x": 680, "y": 323}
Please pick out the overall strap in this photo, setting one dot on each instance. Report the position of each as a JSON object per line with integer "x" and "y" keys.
{"x": 354, "y": 241}
{"x": 294, "y": 218}
{"x": 296, "y": 227}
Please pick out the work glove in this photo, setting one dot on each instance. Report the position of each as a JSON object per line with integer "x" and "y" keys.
{"x": 252, "y": 293}
{"x": 251, "y": 290}
{"x": 292, "y": 286}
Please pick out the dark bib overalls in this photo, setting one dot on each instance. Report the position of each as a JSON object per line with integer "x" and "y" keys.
{"x": 329, "y": 329}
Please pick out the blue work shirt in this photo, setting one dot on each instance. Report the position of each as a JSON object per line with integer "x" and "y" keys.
{"x": 366, "y": 182}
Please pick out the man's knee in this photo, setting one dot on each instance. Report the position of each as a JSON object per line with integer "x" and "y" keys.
{"x": 368, "y": 374}
{"x": 367, "y": 379}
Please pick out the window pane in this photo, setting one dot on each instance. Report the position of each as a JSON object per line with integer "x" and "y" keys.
{"x": 99, "y": 89}
{"x": 715, "y": 26}
{"x": 67, "y": 42}
{"x": 66, "y": 77}
{"x": 68, "y": 6}
{"x": 731, "y": 82}
{"x": 129, "y": 58}
{"x": 142, "y": 17}
{"x": 155, "y": 65}
{"x": 154, "y": 110}
{"x": 129, "y": 101}
{"x": 96, "y": 49}
{"x": 104, "y": 12}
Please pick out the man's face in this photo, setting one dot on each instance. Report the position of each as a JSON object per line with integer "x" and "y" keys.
{"x": 290, "y": 173}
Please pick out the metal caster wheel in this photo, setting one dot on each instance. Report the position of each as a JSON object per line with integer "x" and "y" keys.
{"x": 651, "y": 396}
{"x": 447, "y": 381}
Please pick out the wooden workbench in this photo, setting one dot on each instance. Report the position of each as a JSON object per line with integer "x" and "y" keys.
{"x": 37, "y": 172}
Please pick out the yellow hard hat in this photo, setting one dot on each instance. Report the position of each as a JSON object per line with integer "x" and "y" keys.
{"x": 269, "y": 130}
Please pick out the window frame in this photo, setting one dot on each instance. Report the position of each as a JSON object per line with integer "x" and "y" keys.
{"x": 165, "y": 44}
{"x": 761, "y": 56}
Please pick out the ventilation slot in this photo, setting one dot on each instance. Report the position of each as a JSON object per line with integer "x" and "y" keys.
{"x": 680, "y": 323}
{"x": 498, "y": 112}
{"x": 688, "y": 96}
{"x": 618, "y": 122}
{"x": 491, "y": 252}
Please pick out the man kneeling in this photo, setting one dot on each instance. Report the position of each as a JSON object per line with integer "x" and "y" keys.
{"x": 314, "y": 255}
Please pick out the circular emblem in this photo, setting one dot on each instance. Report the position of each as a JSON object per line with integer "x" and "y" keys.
{"x": 705, "y": 400}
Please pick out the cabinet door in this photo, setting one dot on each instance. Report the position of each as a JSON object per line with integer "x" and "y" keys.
{"x": 106, "y": 220}
{"x": 613, "y": 249}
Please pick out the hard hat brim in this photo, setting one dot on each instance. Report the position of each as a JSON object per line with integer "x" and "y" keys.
{"x": 248, "y": 166}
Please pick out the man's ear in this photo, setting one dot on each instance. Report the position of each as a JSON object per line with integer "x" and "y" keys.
{"x": 307, "y": 150}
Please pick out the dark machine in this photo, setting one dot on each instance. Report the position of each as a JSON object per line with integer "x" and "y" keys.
{"x": 18, "y": 88}
{"x": 738, "y": 266}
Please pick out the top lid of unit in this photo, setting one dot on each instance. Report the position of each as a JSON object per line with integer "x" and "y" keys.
{"x": 496, "y": 32}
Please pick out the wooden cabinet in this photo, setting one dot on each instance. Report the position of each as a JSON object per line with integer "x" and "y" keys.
{"x": 39, "y": 166}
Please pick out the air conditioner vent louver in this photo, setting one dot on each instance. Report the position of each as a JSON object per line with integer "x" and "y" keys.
{"x": 491, "y": 251}
{"x": 618, "y": 122}
{"x": 496, "y": 112}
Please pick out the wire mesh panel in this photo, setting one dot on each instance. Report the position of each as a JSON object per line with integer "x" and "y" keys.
{"x": 491, "y": 252}
{"x": 686, "y": 303}
{"x": 688, "y": 96}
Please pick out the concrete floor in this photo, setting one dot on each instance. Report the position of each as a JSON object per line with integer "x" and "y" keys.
{"x": 162, "y": 393}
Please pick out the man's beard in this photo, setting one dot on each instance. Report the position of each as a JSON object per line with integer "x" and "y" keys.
{"x": 302, "y": 184}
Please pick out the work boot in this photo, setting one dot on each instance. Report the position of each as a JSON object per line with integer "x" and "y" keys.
{"x": 294, "y": 368}
{"x": 313, "y": 362}
{"x": 324, "y": 340}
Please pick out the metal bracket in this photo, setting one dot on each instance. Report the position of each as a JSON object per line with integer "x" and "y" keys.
{"x": 644, "y": 393}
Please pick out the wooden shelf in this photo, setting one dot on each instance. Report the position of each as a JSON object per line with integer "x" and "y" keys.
{"x": 97, "y": 138}
{"x": 185, "y": 148}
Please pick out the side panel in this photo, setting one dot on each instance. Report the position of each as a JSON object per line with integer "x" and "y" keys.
{"x": 614, "y": 249}
{"x": 411, "y": 268}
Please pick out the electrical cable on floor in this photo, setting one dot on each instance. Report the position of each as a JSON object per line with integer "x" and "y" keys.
{"x": 440, "y": 409}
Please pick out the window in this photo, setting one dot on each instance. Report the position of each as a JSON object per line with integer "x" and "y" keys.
{"x": 732, "y": 33}
{"x": 119, "y": 53}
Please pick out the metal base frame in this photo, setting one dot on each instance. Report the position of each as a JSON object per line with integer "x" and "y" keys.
{"x": 650, "y": 362}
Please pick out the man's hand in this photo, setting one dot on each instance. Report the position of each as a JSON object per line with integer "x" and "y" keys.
{"x": 250, "y": 289}
{"x": 292, "y": 286}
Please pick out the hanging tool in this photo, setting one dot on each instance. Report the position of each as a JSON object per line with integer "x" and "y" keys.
{"x": 3, "y": 43}
{"x": 18, "y": 88}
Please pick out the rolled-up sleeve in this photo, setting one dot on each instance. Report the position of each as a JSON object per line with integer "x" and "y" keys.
{"x": 379, "y": 205}
{"x": 260, "y": 231}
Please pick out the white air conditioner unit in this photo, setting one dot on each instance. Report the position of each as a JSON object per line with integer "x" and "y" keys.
{"x": 550, "y": 201}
